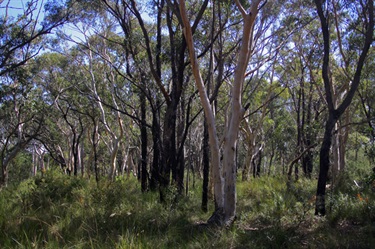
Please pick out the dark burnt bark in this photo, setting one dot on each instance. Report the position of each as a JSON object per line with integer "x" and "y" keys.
{"x": 180, "y": 167}
{"x": 154, "y": 180}
{"x": 77, "y": 147}
{"x": 94, "y": 147}
{"x": 75, "y": 141}
{"x": 4, "y": 175}
{"x": 156, "y": 133}
{"x": 177, "y": 63}
{"x": 334, "y": 114}
{"x": 206, "y": 168}
{"x": 144, "y": 173}
{"x": 324, "y": 165}
{"x": 259, "y": 163}
{"x": 169, "y": 147}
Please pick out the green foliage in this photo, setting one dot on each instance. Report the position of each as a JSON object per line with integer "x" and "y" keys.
{"x": 57, "y": 211}
{"x": 20, "y": 168}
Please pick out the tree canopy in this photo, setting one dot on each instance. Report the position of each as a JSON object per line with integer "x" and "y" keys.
{"x": 113, "y": 88}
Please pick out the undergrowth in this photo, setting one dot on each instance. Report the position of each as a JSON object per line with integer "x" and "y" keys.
{"x": 57, "y": 211}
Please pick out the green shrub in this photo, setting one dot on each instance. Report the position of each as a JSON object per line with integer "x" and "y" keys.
{"x": 58, "y": 211}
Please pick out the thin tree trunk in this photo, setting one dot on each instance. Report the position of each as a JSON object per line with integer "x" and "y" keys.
{"x": 180, "y": 167}
{"x": 213, "y": 139}
{"x": 144, "y": 173}
{"x": 206, "y": 168}
{"x": 154, "y": 181}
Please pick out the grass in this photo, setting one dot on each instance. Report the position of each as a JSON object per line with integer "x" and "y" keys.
{"x": 57, "y": 211}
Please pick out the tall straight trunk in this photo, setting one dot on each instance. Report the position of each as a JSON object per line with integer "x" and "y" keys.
{"x": 76, "y": 147}
{"x": 95, "y": 141}
{"x": 307, "y": 162}
{"x": 307, "y": 159}
{"x": 206, "y": 167}
{"x": 80, "y": 162}
{"x": 35, "y": 162}
{"x": 205, "y": 142}
{"x": 177, "y": 63}
{"x": 259, "y": 163}
{"x": 271, "y": 160}
{"x": 115, "y": 137}
{"x": 144, "y": 173}
{"x": 180, "y": 167}
{"x": 154, "y": 180}
{"x": 213, "y": 138}
{"x": 250, "y": 138}
{"x": 339, "y": 144}
{"x": 230, "y": 143}
{"x": 169, "y": 147}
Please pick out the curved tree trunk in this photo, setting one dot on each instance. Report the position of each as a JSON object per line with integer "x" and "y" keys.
{"x": 225, "y": 181}
{"x": 324, "y": 165}
{"x": 335, "y": 113}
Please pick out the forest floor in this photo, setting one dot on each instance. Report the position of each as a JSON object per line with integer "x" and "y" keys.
{"x": 56, "y": 211}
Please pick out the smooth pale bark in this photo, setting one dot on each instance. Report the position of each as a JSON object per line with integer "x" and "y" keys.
{"x": 225, "y": 181}
{"x": 251, "y": 135}
{"x": 210, "y": 119}
{"x": 340, "y": 136}
{"x": 339, "y": 146}
{"x": 237, "y": 111}
{"x": 114, "y": 143}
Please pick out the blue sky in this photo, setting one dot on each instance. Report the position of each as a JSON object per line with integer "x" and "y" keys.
{"x": 16, "y": 7}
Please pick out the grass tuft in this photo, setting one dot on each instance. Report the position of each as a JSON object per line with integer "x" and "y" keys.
{"x": 57, "y": 211}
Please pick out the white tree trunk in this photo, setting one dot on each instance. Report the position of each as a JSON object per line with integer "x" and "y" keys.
{"x": 229, "y": 160}
{"x": 224, "y": 182}
{"x": 213, "y": 138}
{"x": 113, "y": 145}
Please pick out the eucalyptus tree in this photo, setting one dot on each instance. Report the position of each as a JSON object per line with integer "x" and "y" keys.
{"x": 21, "y": 35}
{"x": 165, "y": 57}
{"x": 225, "y": 177}
{"x": 21, "y": 40}
{"x": 22, "y": 116}
{"x": 366, "y": 93}
{"x": 98, "y": 48}
{"x": 357, "y": 21}
{"x": 102, "y": 75}
{"x": 56, "y": 76}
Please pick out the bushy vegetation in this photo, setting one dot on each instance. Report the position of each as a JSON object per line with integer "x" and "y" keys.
{"x": 58, "y": 211}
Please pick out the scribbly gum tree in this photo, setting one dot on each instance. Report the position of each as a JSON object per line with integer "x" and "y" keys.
{"x": 21, "y": 39}
{"x": 224, "y": 176}
{"x": 347, "y": 53}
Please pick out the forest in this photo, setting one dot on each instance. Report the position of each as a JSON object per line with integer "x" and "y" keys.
{"x": 187, "y": 124}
